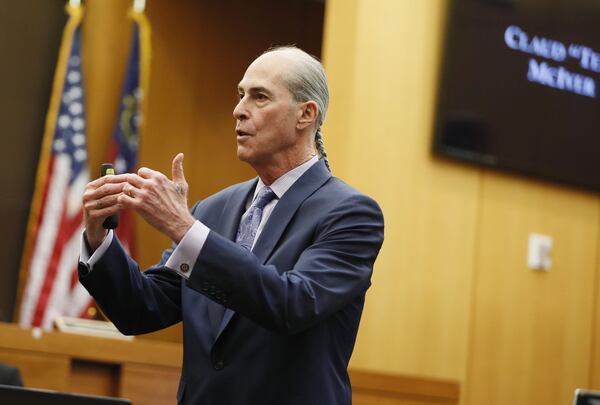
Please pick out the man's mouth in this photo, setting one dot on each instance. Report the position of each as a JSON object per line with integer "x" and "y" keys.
{"x": 241, "y": 133}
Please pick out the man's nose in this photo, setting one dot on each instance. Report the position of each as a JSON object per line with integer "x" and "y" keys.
{"x": 240, "y": 112}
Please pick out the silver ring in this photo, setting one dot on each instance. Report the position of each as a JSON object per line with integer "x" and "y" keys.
{"x": 179, "y": 189}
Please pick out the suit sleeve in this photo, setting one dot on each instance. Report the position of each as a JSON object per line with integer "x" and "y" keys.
{"x": 329, "y": 274}
{"x": 135, "y": 302}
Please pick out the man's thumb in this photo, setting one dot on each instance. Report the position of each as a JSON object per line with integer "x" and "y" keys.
{"x": 177, "y": 169}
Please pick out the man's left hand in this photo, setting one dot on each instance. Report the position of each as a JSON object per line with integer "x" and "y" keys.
{"x": 160, "y": 201}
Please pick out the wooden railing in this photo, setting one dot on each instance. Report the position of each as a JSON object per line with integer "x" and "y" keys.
{"x": 375, "y": 388}
{"x": 147, "y": 371}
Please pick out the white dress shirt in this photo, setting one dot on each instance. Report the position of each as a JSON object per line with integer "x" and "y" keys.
{"x": 187, "y": 250}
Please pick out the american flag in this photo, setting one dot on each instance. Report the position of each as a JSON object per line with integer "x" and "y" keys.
{"x": 56, "y": 221}
{"x": 123, "y": 150}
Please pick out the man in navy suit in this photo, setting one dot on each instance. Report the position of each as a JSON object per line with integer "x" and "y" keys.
{"x": 268, "y": 276}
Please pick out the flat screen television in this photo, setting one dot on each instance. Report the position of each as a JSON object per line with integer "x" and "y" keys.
{"x": 586, "y": 397}
{"x": 520, "y": 88}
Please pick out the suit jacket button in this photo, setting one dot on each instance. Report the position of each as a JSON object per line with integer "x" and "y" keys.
{"x": 219, "y": 365}
{"x": 184, "y": 267}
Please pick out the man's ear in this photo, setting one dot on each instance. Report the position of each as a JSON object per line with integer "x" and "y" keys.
{"x": 307, "y": 114}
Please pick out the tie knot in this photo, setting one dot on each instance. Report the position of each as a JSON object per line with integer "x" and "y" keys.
{"x": 265, "y": 196}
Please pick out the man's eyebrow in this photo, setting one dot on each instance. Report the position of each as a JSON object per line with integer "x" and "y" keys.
{"x": 255, "y": 89}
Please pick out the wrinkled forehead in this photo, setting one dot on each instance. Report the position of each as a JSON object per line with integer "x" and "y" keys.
{"x": 269, "y": 70}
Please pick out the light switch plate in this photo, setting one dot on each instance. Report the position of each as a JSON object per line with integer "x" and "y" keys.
{"x": 539, "y": 253}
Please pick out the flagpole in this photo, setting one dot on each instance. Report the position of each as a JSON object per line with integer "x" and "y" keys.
{"x": 138, "y": 16}
{"x": 140, "y": 58}
{"x": 75, "y": 11}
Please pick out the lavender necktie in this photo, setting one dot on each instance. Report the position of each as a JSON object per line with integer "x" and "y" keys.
{"x": 245, "y": 237}
{"x": 249, "y": 224}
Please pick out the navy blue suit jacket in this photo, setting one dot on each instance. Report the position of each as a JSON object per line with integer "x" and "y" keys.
{"x": 293, "y": 304}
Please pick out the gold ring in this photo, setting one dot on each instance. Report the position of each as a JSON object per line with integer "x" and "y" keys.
{"x": 98, "y": 204}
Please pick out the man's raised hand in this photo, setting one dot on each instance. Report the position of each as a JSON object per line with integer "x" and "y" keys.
{"x": 101, "y": 200}
{"x": 161, "y": 202}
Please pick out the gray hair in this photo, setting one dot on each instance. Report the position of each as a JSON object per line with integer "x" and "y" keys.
{"x": 308, "y": 82}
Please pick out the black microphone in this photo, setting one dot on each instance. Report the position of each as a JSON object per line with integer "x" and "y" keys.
{"x": 106, "y": 169}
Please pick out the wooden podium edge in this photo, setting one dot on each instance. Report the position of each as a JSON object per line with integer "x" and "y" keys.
{"x": 402, "y": 385}
{"x": 93, "y": 348}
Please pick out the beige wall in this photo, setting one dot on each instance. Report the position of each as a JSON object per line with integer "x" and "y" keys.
{"x": 452, "y": 296}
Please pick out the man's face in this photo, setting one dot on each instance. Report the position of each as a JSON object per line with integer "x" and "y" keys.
{"x": 266, "y": 114}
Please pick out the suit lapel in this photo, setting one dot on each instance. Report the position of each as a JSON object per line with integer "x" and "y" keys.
{"x": 287, "y": 207}
{"x": 235, "y": 206}
{"x": 228, "y": 225}
{"x": 283, "y": 212}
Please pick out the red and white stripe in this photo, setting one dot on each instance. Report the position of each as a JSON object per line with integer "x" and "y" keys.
{"x": 52, "y": 289}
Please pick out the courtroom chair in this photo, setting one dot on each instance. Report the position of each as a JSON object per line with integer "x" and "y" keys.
{"x": 10, "y": 375}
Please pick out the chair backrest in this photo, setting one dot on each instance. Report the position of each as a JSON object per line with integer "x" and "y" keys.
{"x": 10, "y": 375}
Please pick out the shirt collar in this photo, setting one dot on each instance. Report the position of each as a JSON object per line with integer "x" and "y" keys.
{"x": 284, "y": 182}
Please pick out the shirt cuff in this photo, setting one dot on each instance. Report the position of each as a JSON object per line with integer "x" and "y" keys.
{"x": 84, "y": 254}
{"x": 186, "y": 252}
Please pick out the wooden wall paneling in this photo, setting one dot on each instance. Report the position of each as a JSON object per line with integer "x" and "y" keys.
{"x": 340, "y": 48}
{"x": 366, "y": 398}
{"x": 370, "y": 388}
{"x": 91, "y": 365}
{"x": 532, "y": 331}
{"x": 378, "y": 132}
{"x": 595, "y": 355}
{"x": 137, "y": 378}
{"x": 50, "y": 372}
{"x": 94, "y": 378}
{"x": 106, "y": 35}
